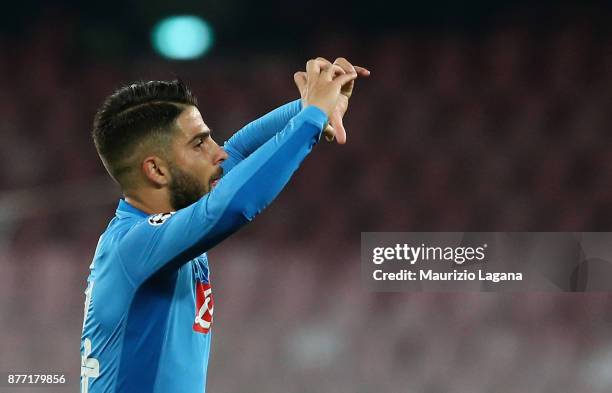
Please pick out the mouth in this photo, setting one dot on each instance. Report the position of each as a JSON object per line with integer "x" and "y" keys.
{"x": 215, "y": 179}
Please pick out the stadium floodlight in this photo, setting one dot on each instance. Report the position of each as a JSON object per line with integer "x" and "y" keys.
{"x": 183, "y": 37}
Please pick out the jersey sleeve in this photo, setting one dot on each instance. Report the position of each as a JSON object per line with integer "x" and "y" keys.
{"x": 168, "y": 241}
{"x": 256, "y": 133}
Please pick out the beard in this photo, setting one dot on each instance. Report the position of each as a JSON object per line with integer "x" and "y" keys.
{"x": 185, "y": 188}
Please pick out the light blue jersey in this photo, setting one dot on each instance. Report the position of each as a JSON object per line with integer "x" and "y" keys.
{"x": 149, "y": 303}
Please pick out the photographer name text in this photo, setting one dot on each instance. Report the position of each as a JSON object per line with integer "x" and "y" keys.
{"x": 411, "y": 255}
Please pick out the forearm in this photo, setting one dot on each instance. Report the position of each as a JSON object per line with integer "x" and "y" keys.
{"x": 257, "y": 180}
{"x": 256, "y": 133}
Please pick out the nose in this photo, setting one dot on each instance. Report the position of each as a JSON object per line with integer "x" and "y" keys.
{"x": 220, "y": 156}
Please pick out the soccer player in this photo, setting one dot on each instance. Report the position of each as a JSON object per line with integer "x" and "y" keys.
{"x": 149, "y": 304}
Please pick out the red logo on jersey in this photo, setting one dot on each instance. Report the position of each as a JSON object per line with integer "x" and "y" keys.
{"x": 204, "y": 308}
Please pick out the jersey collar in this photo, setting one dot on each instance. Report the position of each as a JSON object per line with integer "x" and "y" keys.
{"x": 126, "y": 210}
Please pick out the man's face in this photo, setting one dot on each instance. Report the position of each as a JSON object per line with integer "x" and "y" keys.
{"x": 196, "y": 166}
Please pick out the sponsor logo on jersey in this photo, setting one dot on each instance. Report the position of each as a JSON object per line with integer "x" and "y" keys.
{"x": 159, "y": 219}
{"x": 204, "y": 308}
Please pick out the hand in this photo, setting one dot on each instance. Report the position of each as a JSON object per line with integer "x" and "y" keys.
{"x": 324, "y": 82}
{"x": 335, "y": 128}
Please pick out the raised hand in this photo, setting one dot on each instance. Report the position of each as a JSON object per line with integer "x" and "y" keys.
{"x": 335, "y": 128}
{"x": 324, "y": 82}
{"x": 345, "y": 93}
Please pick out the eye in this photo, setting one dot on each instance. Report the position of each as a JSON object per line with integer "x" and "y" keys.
{"x": 200, "y": 142}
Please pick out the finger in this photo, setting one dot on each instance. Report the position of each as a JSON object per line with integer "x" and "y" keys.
{"x": 314, "y": 66}
{"x": 323, "y": 60}
{"x": 361, "y": 71}
{"x": 300, "y": 81}
{"x": 331, "y": 71}
{"x": 345, "y": 64}
{"x": 339, "y": 131}
{"x": 338, "y": 70}
{"x": 335, "y": 128}
{"x": 347, "y": 89}
{"x": 345, "y": 78}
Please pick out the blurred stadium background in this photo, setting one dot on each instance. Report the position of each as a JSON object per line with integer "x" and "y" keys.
{"x": 478, "y": 116}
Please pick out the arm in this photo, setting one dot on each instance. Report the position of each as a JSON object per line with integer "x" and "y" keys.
{"x": 253, "y": 135}
{"x": 238, "y": 198}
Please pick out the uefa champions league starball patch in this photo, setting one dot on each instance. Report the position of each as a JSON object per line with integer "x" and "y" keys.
{"x": 159, "y": 219}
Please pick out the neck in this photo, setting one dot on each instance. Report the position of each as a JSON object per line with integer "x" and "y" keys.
{"x": 150, "y": 201}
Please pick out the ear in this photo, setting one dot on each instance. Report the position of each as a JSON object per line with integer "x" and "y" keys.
{"x": 156, "y": 171}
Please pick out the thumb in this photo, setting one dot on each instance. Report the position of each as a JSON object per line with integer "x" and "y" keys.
{"x": 340, "y": 131}
{"x": 300, "y": 81}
